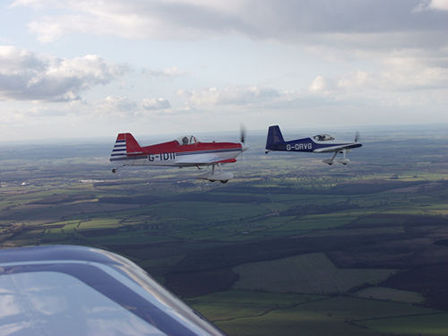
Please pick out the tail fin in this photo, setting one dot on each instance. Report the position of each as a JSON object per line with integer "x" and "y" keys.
{"x": 275, "y": 137}
{"x": 124, "y": 145}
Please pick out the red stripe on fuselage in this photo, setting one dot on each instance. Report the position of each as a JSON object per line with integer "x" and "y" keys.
{"x": 174, "y": 147}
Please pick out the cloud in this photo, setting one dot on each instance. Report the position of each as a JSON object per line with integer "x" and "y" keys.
{"x": 369, "y": 54}
{"x": 25, "y": 75}
{"x": 154, "y": 104}
{"x": 125, "y": 107}
{"x": 347, "y": 28}
{"x": 355, "y": 80}
{"x": 402, "y": 81}
{"x": 319, "y": 84}
{"x": 432, "y": 5}
{"x": 399, "y": 73}
{"x": 264, "y": 19}
{"x": 118, "y": 104}
{"x": 439, "y": 5}
{"x": 131, "y": 19}
{"x": 229, "y": 96}
{"x": 168, "y": 72}
{"x": 248, "y": 100}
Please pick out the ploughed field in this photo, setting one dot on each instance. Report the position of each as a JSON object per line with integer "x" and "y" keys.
{"x": 291, "y": 245}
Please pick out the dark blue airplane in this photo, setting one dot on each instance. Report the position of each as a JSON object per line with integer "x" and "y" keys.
{"x": 321, "y": 143}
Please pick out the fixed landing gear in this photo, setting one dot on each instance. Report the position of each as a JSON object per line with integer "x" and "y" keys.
{"x": 330, "y": 161}
{"x": 216, "y": 175}
{"x": 222, "y": 181}
{"x": 343, "y": 161}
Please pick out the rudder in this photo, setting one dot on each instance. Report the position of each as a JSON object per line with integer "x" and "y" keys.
{"x": 132, "y": 146}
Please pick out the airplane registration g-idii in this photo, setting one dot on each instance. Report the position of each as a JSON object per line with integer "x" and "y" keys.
{"x": 73, "y": 290}
{"x": 321, "y": 143}
{"x": 185, "y": 151}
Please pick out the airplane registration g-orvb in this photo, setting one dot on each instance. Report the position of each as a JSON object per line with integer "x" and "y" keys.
{"x": 185, "y": 151}
{"x": 73, "y": 290}
{"x": 322, "y": 143}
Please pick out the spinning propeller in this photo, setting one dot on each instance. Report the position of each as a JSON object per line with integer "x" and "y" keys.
{"x": 243, "y": 134}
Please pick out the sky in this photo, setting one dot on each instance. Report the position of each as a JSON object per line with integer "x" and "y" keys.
{"x": 93, "y": 68}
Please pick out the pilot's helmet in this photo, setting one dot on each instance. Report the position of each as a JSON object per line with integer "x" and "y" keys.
{"x": 185, "y": 140}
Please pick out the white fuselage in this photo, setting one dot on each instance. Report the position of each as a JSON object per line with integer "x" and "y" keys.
{"x": 180, "y": 159}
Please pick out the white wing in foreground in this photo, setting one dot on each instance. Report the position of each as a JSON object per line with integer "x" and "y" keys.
{"x": 73, "y": 290}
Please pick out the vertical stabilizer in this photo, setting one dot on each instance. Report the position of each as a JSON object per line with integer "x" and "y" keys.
{"x": 275, "y": 137}
{"x": 124, "y": 145}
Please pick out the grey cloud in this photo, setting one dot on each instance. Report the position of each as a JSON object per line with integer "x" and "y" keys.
{"x": 28, "y": 76}
{"x": 286, "y": 19}
{"x": 342, "y": 16}
{"x": 198, "y": 18}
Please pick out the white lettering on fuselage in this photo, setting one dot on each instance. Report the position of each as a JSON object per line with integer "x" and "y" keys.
{"x": 162, "y": 157}
{"x": 299, "y": 146}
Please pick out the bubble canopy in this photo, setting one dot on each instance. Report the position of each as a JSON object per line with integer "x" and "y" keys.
{"x": 323, "y": 137}
{"x": 186, "y": 140}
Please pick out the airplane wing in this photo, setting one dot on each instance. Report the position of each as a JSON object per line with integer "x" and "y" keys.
{"x": 336, "y": 148}
{"x": 204, "y": 159}
{"x": 74, "y": 290}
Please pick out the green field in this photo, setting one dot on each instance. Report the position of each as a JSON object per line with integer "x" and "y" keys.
{"x": 431, "y": 325}
{"x": 389, "y": 294}
{"x": 262, "y": 313}
{"x": 308, "y": 273}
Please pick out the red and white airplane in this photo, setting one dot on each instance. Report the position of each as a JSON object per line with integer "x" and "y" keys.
{"x": 185, "y": 151}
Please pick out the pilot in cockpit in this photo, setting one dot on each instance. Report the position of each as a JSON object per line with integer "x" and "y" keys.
{"x": 186, "y": 140}
{"x": 323, "y": 137}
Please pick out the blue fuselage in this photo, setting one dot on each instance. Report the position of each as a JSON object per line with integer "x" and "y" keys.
{"x": 308, "y": 145}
